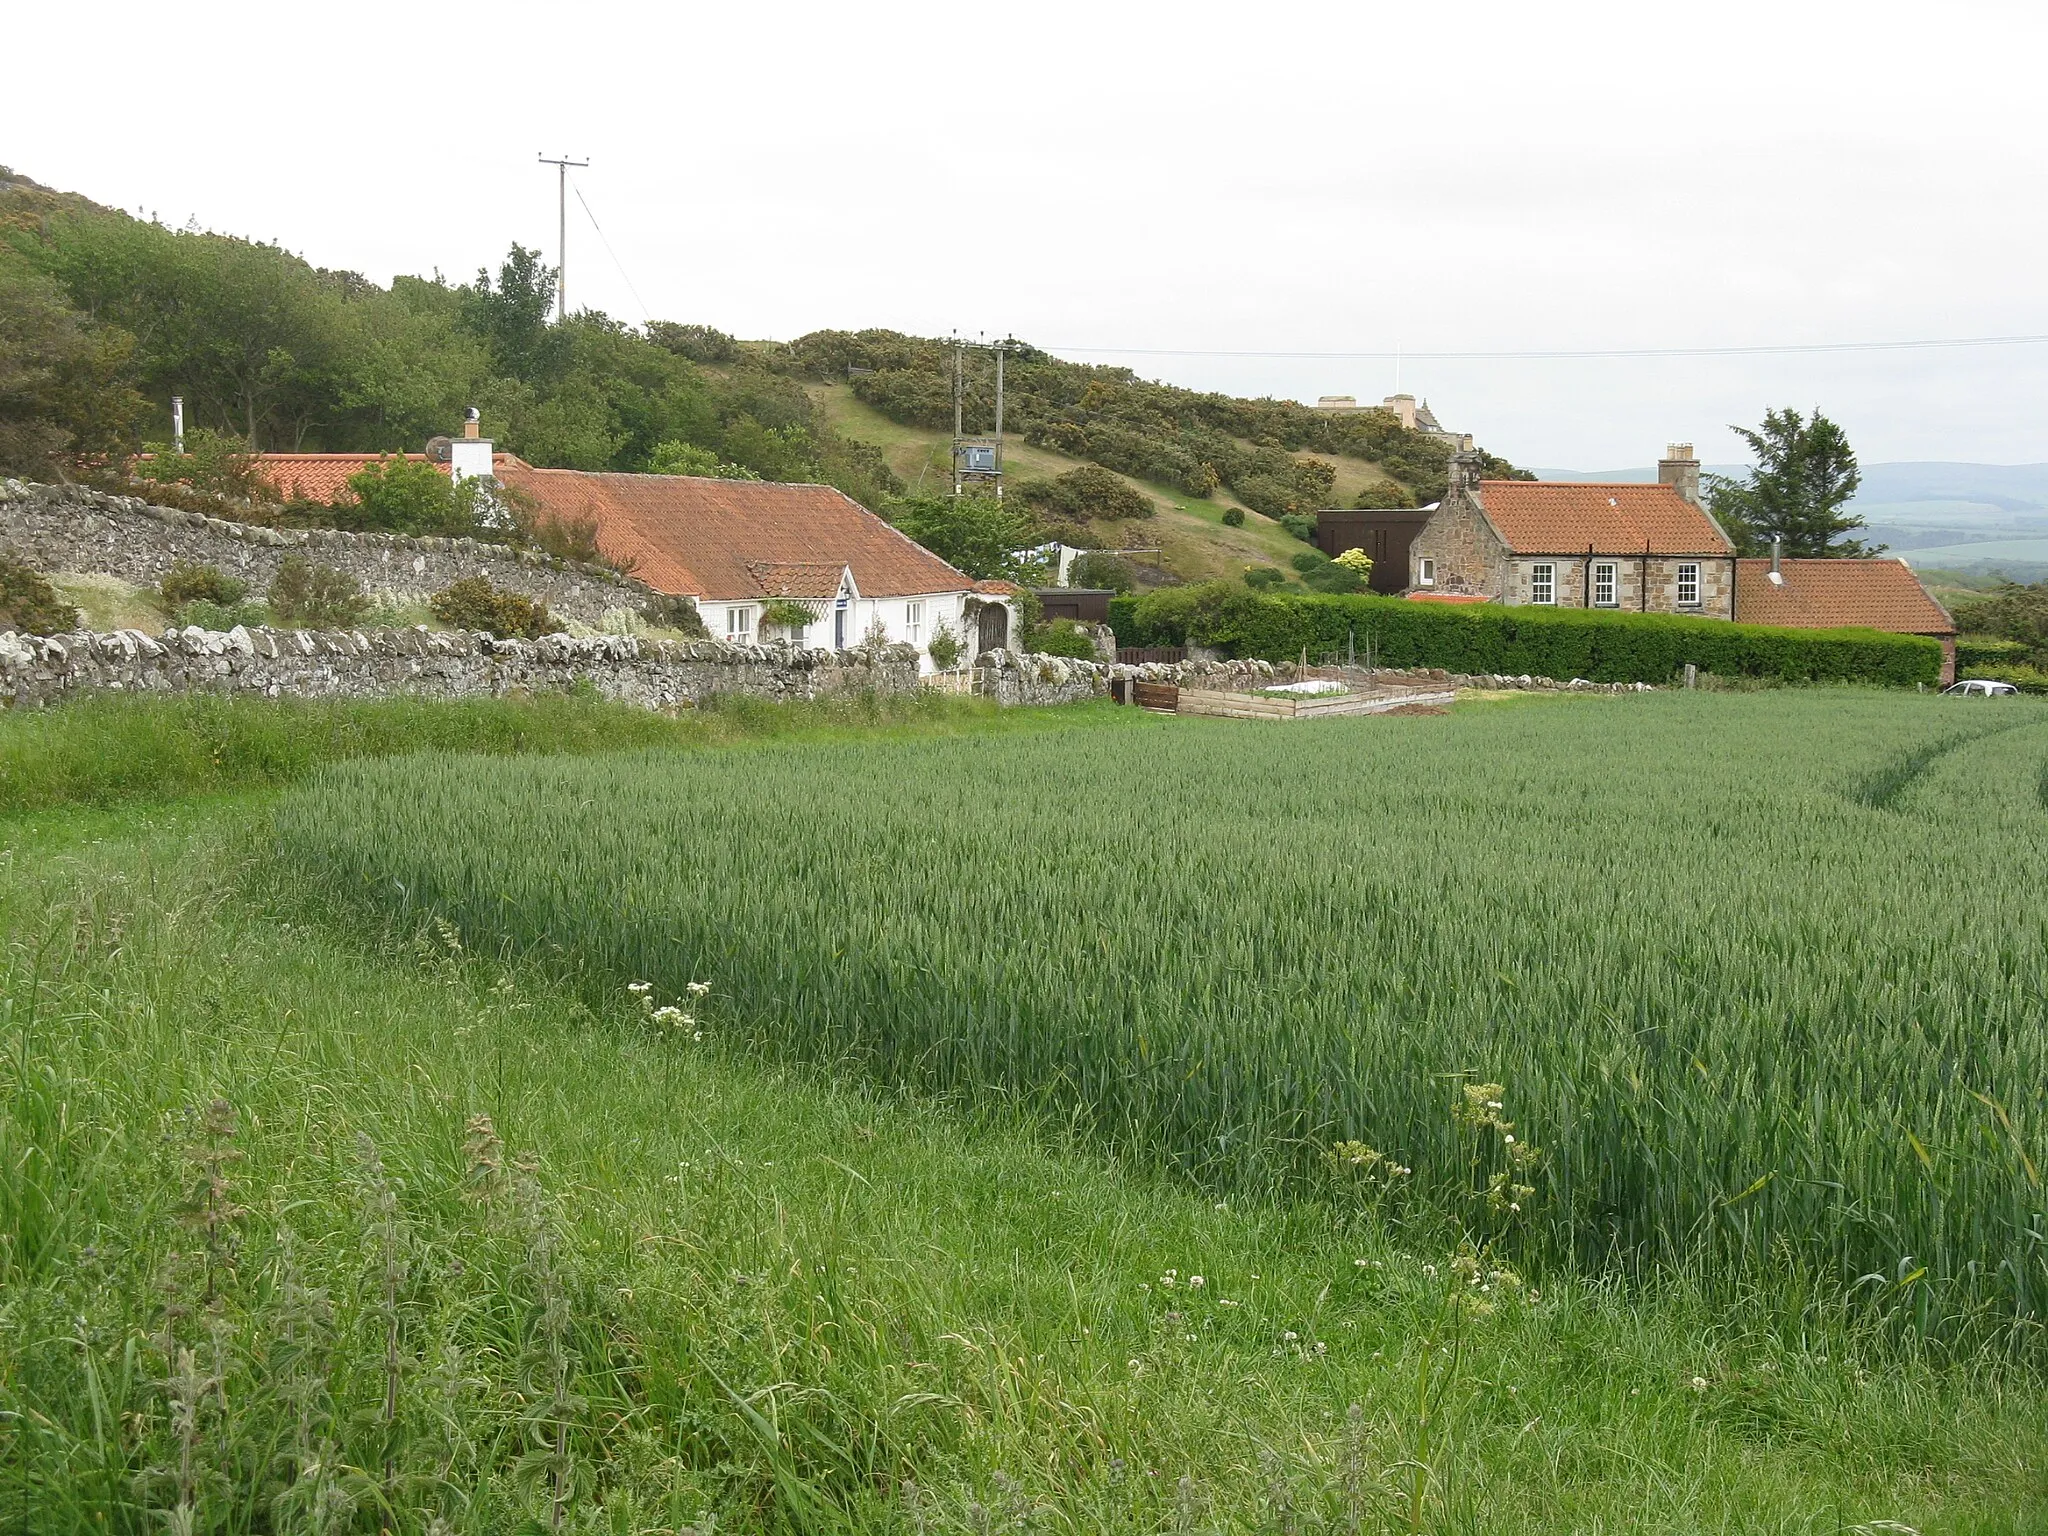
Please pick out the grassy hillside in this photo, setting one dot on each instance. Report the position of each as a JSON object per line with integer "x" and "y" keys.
{"x": 308, "y": 1223}
{"x": 1189, "y": 531}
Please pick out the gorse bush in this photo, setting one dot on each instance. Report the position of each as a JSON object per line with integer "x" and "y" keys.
{"x": 474, "y": 603}
{"x": 187, "y": 583}
{"x": 1087, "y": 494}
{"x": 1490, "y": 637}
{"x": 1783, "y": 1044}
{"x": 30, "y": 605}
{"x": 306, "y": 592}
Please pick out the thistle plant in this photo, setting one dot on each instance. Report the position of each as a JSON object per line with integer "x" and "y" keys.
{"x": 387, "y": 1234}
{"x": 552, "y": 1408}
{"x": 316, "y": 1496}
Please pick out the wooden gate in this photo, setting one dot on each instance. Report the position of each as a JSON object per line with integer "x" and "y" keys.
{"x": 1162, "y": 697}
{"x": 994, "y": 631}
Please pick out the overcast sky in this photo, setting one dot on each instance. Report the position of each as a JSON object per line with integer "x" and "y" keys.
{"x": 1279, "y": 178}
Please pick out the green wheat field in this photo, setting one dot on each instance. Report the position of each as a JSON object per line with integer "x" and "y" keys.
{"x": 1573, "y": 1114}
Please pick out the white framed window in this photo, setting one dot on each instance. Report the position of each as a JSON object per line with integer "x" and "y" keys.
{"x": 1425, "y": 573}
{"x": 1543, "y": 583}
{"x": 1688, "y": 584}
{"x": 739, "y": 624}
{"x": 913, "y": 623}
{"x": 1604, "y": 583}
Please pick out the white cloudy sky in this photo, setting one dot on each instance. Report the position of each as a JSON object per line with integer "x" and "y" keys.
{"x": 1286, "y": 178}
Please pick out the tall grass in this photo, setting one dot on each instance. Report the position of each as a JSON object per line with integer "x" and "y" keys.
{"x": 1765, "y": 1000}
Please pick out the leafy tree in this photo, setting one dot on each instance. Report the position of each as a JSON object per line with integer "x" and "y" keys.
{"x": 213, "y": 463}
{"x": 399, "y": 495}
{"x": 512, "y": 318}
{"x": 1102, "y": 571}
{"x": 982, "y": 536}
{"x": 2012, "y": 612}
{"x": 1805, "y": 474}
{"x": 699, "y": 343}
{"x": 65, "y": 386}
{"x": 674, "y": 458}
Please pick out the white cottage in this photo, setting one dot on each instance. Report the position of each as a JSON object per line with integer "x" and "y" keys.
{"x": 750, "y": 550}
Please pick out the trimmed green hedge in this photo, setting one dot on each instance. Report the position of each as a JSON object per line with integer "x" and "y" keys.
{"x": 2026, "y": 679}
{"x": 1542, "y": 642}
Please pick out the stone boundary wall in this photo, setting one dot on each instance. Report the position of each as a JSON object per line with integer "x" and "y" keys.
{"x": 270, "y": 663}
{"x": 69, "y": 529}
{"x": 1010, "y": 678}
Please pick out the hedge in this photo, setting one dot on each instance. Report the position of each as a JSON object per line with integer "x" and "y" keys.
{"x": 1541, "y": 642}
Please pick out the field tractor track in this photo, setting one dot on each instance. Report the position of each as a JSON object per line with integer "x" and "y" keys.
{"x": 1882, "y": 788}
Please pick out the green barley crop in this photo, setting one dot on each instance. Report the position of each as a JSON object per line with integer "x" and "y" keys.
{"x": 1764, "y": 975}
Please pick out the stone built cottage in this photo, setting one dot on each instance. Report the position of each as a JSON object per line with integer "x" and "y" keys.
{"x": 1632, "y": 547}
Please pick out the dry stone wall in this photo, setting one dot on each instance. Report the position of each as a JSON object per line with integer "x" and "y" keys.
{"x": 59, "y": 529}
{"x": 269, "y": 663}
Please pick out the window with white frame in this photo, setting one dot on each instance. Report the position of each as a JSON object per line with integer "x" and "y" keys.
{"x": 1425, "y": 573}
{"x": 1543, "y": 583}
{"x": 1604, "y": 584}
{"x": 739, "y": 624}
{"x": 1689, "y": 584}
{"x": 913, "y": 623}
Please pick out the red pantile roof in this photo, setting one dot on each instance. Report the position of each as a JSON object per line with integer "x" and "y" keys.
{"x": 1838, "y": 594}
{"x": 797, "y": 578}
{"x": 1555, "y": 517}
{"x": 320, "y": 476}
{"x": 697, "y": 537}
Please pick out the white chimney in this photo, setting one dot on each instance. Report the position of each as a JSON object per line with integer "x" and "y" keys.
{"x": 470, "y": 454}
{"x": 178, "y": 425}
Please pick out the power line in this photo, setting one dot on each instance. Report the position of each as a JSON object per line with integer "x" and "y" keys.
{"x": 645, "y": 313}
{"x": 1562, "y": 354}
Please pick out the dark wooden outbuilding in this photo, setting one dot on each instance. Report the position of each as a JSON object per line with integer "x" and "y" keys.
{"x": 1384, "y": 535}
{"x": 1084, "y": 605}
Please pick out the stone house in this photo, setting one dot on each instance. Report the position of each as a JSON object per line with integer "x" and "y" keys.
{"x": 1844, "y": 594}
{"x": 1630, "y": 547}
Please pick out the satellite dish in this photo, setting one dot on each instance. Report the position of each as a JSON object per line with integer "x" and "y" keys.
{"x": 440, "y": 450}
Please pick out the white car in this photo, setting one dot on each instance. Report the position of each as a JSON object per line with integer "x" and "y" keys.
{"x": 1979, "y": 688}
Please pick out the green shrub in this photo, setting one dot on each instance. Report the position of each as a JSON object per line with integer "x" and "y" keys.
{"x": 1088, "y": 494}
{"x": 699, "y": 343}
{"x": 308, "y": 593}
{"x": 211, "y": 464}
{"x": 1062, "y": 637}
{"x": 1382, "y": 495}
{"x": 680, "y": 614}
{"x": 186, "y": 583}
{"x": 1490, "y": 637}
{"x": 1261, "y": 577}
{"x": 29, "y": 605}
{"x": 1976, "y": 651}
{"x": 1233, "y": 517}
{"x": 1102, "y": 571}
{"x": 786, "y": 613}
{"x": 220, "y": 616}
{"x": 473, "y": 603}
{"x": 944, "y": 647}
{"x": 1309, "y": 559}
{"x": 399, "y": 495}
{"x": 1301, "y": 525}
{"x": 678, "y": 458}
{"x": 1333, "y": 576}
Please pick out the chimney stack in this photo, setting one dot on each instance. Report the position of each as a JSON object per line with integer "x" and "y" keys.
{"x": 178, "y": 425}
{"x": 1463, "y": 474}
{"x": 470, "y": 454}
{"x": 1681, "y": 471}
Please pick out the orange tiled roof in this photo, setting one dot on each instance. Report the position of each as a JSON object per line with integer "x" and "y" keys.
{"x": 324, "y": 476}
{"x": 696, "y": 537}
{"x": 1838, "y": 594}
{"x": 996, "y": 588}
{"x": 796, "y": 578}
{"x": 1557, "y": 517}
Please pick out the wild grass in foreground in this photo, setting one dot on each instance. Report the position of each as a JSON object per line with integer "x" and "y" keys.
{"x": 1760, "y": 973}
{"x": 106, "y": 750}
{"x": 312, "y": 1230}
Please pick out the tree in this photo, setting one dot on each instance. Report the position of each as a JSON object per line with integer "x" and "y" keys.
{"x": 982, "y": 536}
{"x": 1805, "y": 474}
{"x": 513, "y": 317}
{"x": 674, "y": 458}
{"x": 64, "y": 381}
{"x": 2009, "y": 611}
{"x": 409, "y": 496}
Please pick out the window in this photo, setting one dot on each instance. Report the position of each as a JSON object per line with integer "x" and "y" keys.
{"x": 1603, "y": 584}
{"x": 739, "y": 625}
{"x": 1425, "y": 574}
{"x": 1543, "y": 583}
{"x": 913, "y": 622}
{"x": 1689, "y": 584}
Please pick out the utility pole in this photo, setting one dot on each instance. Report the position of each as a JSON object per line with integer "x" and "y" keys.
{"x": 562, "y": 231}
{"x": 959, "y": 356}
{"x": 999, "y": 421}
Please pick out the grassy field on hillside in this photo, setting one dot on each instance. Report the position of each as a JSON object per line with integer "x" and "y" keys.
{"x": 313, "y": 1222}
{"x": 1759, "y": 976}
{"x": 1195, "y": 544}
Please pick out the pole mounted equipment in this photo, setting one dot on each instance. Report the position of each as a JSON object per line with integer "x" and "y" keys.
{"x": 561, "y": 165}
